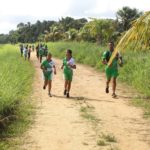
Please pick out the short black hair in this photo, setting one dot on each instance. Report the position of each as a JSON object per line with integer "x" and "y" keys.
{"x": 69, "y": 51}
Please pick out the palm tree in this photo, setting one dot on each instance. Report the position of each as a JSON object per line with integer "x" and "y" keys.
{"x": 137, "y": 37}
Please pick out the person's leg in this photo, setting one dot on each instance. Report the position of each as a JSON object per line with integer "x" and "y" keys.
{"x": 69, "y": 86}
{"x": 70, "y": 75}
{"x": 40, "y": 59}
{"x": 45, "y": 84}
{"x": 65, "y": 87}
{"x": 49, "y": 87}
{"x": 114, "y": 84}
{"x": 68, "y": 89}
{"x": 108, "y": 77}
{"x": 107, "y": 84}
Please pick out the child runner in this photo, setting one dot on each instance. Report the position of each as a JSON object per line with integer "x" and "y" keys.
{"x": 46, "y": 50}
{"x": 47, "y": 66}
{"x": 41, "y": 51}
{"x": 68, "y": 66}
{"x": 37, "y": 51}
{"x": 33, "y": 47}
{"x": 112, "y": 70}
{"x": 25, "y": 52}
{"x": 29, "y": 52}
{"x": 21, "y": 49}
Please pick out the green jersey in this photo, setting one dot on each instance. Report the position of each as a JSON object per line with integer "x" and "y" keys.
{"x": 66, "y": 64}
{"x": 41, "y": 51}
{"x": 107, "y": 55}
{"x": 48, "y": 65}
{"x": 68, "y": 71}
{"x": 112, "y": 70}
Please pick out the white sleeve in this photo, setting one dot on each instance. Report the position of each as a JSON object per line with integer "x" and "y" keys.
{"x": 72, "y": 61}
{"x": 53, "y": 63}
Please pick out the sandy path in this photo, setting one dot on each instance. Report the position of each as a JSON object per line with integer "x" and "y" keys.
{"x": 59, "y": 126}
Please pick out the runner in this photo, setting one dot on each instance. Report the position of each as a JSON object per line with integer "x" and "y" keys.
{"x": 21, "y": 49}
{"x": 33, "y": 47}
{"x": 47, "y": 66}
{"x": 68, "y": 66}
{"x": 29, "y": 52}
{"x": 41, "y": 52}
{"x": 46, "y": 50}
{"x": 37, "y": 51}
{"x": 112, "y": 70}
{"x": 25, "y": 52}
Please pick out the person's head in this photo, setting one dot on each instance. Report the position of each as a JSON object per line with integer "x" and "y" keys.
{"x": 111, "y": 46}
{"x": 49, "y": 56}
{"x": 69, "y": 53}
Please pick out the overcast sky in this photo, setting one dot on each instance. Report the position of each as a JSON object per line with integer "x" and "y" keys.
{"x": 13, "y": 12}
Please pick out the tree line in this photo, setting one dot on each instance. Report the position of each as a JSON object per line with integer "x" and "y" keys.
{"x": 69, "y": 29}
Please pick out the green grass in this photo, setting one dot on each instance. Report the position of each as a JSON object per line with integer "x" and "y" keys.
{"x": 16, "y": 77}
{"x": 145, "y": 104}
{"x": 87, "y": 113}
{"x": 84, "y": 52}
{"x": 101, "y": 143}
{"x": 109, "y": 138}
{"x": 136, "y": 70}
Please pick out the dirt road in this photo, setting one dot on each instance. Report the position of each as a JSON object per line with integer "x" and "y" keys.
{"x": 89, "y": 120}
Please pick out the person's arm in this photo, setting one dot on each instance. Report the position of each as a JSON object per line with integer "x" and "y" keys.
{"x": 62, "y": 66}
{"x": 42, "y": 67}
{"x": 120, "y": 59}
{"x": 72, "y": 64}
{"x": 54, "y": 69}
{"x": 104, "y": 61}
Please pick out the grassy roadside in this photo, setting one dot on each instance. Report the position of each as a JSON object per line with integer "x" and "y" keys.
{"x": 16, "y": 85}
{"x": 135, "y": 72}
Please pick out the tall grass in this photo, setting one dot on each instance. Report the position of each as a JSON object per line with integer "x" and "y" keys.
{"x": 84, "y": 52}
{"x": 15, "y": 86}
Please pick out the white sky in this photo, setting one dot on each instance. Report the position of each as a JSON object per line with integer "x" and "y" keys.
{"x": 13, "y": 12}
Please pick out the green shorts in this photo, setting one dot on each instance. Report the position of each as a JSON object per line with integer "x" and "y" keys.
{"x": 111, "y": 72}
{"x": 68, "y": 75}
{"x": 47, "y": 75}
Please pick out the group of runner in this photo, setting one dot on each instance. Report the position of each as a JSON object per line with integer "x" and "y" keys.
{"x": 41, "y": 51}
{"x": 68, "y": 64}
{"x": 26, "y": 50}
{"x": 48, "y": 67}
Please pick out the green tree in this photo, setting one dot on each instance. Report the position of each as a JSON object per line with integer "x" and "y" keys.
{"x": 125, "y": 16}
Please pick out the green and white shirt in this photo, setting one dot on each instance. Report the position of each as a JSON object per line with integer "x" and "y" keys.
{"x": 66, "y": 64}
{"x": 48, "y": 65}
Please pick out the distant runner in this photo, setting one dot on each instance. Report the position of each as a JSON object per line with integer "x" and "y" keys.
{"x": 33, "y": 48}
{"x": 37, "y": 51}
{"x": 68, "y": 66}
{"x": 41, "y": 52}
{"x": 112, "y": 70}
{"x": 25, "y": 52}
{"x": 29, "y": 52}
{"x": 46, "y": 50}
{"x": 21, "y": 49}
{"x": 47, "y": 66}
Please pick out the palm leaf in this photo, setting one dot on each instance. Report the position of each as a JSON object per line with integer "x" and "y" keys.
{"x": 137, "y": 37}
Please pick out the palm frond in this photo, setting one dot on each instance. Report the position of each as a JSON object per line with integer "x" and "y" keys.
{"x": 137, "y": 37}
